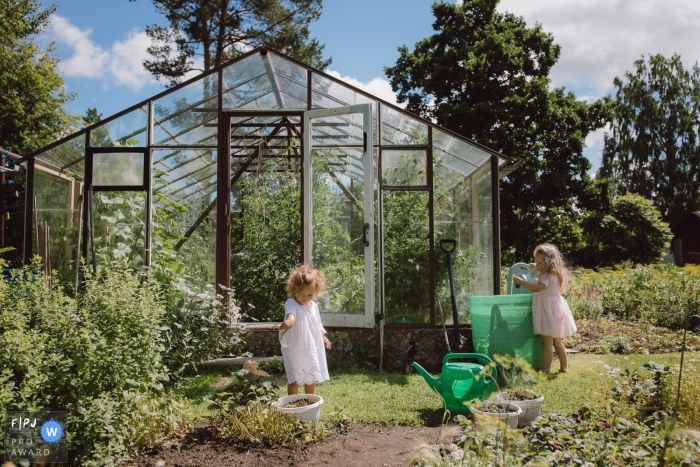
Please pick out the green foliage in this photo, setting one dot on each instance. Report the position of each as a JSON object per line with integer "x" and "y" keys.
{"x": 661, "y": 295}
{"x": 32, "y": 98}
{"x": 640, "y": 390}
{"x": 199, "y": 328}
{"x": 245, "y": 387}
{"x": 265, "y": 241}
{"x": 630, "y": 229}
{"x": 587, "y": 437}
{"x": 96, "y": 356}
{"x": 653, "y": 148}
{"x": 484, "y": 75}
{"x": 223, "y": 29}
{"x": 585, "y": 301}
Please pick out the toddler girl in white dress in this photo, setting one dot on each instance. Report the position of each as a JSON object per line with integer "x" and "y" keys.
{"x": 302, "y": 335}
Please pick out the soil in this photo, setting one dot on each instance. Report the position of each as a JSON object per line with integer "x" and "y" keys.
{"x": 363, "y": 445}
{"x": 372, "y": 445}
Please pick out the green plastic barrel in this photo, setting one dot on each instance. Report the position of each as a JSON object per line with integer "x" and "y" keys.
{"x": 502, "y": 325}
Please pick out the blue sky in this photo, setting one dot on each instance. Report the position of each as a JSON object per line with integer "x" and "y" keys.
{"x": 101, "y": 43}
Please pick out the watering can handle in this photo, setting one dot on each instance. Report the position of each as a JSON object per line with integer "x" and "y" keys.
{"x": 481, "y": 358}
{"x": 451, "y": 241}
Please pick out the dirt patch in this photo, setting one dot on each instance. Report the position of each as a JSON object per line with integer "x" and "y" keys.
{"x": 364, "y": 445}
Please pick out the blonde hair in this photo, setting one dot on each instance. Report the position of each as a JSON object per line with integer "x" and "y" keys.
{"x": 303, "y": 276}
{"x": 553, "y": 264}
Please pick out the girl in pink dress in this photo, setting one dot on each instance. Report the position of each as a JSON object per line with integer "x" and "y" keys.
{"x": 551, "y": 315}
{"x": 302, "y": 336}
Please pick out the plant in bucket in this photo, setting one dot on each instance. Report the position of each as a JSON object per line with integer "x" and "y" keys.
{"x": 529, "y": 402}
{"x": 495, "y": 412}
{"x": 516, "y": 373}
{"x": 305, "y": 407}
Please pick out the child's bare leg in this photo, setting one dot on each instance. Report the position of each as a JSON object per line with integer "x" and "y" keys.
{"x": 310, "y": 388}
{"x": 546, "y": 353}
{"x": 293, "y": 389}
{"x": 561, "y": 353}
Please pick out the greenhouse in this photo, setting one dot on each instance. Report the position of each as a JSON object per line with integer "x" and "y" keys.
{"x": 240, "y": 174}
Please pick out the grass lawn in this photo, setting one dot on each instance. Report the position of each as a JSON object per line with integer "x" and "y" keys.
{"x": 387, "y": 398}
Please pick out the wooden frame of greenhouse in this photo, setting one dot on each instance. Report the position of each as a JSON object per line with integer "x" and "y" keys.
{"x": 240, "y": 174}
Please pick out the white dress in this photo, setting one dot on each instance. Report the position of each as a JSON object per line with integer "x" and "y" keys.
{"x": 551, "y": 315}
{"x": 304, "y": 353}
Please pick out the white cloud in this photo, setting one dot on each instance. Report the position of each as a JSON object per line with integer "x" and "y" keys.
{"x": 88, "y": 60}
{"x": 121, "y": 65}
{"x": 378, "y": 86}
{"x": 601, "y": 39}
{"x": 126, "y": 60}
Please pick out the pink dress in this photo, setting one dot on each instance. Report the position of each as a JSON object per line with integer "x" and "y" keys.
{"x": 303, "y": 350}
{"x": 551, "y": 315}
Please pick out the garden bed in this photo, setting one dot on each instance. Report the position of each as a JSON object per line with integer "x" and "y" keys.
{"x": 604, "y": 335}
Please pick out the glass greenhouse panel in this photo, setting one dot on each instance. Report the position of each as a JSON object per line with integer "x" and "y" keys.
{"x": 399, "y": 128}
{"x": 326, "y": 94}
{"x": 460, "y": 149}
{"x": 187, "y": 116}
{"x": 406, "y": 257}
{"x": 175, "y": 171}
{"x": 289, "y": 70}
{"x": 56, "y": 226}
{"x": 340, "y": 130}
{"x": 118, "y": 169}
{"x": 404, "y": 167}
{"x": 129, "y": 130}
{"x": 462, "y": 212}
{"x": 184, "y": 237}
{"x": 338, "y": 219}
{"x": 119, "y": 226}
{"x": 245, "y": 82}
{"x": 69, "y": 155}
{"x": 265, "y": 233}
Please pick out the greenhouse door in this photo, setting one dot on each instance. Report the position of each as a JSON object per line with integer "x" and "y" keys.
{"x": 338, "y": 211}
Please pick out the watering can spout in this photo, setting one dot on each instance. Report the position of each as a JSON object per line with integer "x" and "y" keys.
{"x": 434, "y": 383}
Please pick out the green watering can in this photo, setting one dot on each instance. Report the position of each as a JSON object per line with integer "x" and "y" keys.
{"x": 461, "y": 382}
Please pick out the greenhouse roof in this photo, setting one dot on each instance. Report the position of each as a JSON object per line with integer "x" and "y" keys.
{"x": 265, "y": 93}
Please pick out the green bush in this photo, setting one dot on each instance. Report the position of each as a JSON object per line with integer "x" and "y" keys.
{"x": 663, "y": 295}
{"x": 198, "y": 328}
{"x": 97, "y": 356}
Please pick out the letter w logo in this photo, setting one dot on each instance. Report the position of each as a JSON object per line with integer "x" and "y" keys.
{"x": 52, "y": 431}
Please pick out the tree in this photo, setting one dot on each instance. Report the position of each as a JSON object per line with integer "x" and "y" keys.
{"x": 626, "y": 228}
{"x": 91, "y": 116}
{"x": 220, "y": 30}
{"x": 653, "y": 148}
{"x": 484, "y": 75}
{"x": 32, "y": 97}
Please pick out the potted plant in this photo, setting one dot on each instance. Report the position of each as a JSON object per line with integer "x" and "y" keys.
{"x": 495, "y": 412}
{"x": 529, "y": 402}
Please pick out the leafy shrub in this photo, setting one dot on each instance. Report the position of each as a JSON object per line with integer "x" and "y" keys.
{"x": 273, "y": 366}
{"x": 585, "y": 301}
{"x": 198, "y": 328}
{"x": 584, "y": 438}
{"x": 96, "y": 356}
{"x": 663, "y": 295}
{"x": 619, "y": 345}
{"x": 244, "y": 388}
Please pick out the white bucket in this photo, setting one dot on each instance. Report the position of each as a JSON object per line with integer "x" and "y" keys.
{"x": 308, "y": 413}
{"x": 531, "y": 408}
{"x": 510, "y": 419}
